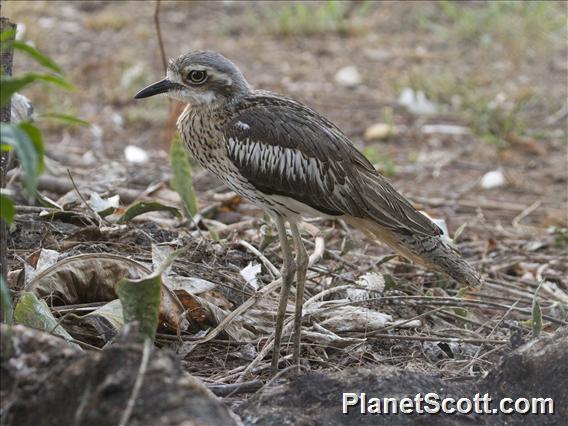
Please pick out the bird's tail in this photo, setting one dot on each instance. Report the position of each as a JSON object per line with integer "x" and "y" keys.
{"x": 430, "y": 251}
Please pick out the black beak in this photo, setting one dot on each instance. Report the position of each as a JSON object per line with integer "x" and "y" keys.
{"x": 161, "y": 86}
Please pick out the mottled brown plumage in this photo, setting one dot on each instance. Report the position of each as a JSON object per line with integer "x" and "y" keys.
{"x": 294, "y": 163}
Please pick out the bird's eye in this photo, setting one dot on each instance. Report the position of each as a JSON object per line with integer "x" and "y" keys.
{"x": 197, "y": 76}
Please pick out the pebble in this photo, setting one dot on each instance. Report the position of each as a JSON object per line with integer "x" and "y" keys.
{"x": 348, "y": 76}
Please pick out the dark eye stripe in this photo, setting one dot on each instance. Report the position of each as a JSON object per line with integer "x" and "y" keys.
{"x": 197, "y": 76}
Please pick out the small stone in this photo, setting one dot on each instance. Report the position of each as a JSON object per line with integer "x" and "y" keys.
{"x": 493, "y": 179}
{"x": 379, "y": 131}
{"x": 348, "y": 76}
{"x": 135, "y": 154}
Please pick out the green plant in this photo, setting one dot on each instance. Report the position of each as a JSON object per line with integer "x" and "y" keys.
{"x": 384, "y": 163}
{"x": 25, "y": 138}
{"x": 560, "y": 236}
{"x": 308, "y": 19}
{"x": 514, "y": 25}
{"x": 182, "y": 180}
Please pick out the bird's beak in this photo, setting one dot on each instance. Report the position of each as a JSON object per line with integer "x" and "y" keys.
{"x": 161, "y": 86}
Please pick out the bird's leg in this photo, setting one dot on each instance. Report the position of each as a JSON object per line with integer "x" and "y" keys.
{"x": 287, "y": 274}
{"x": 301, "y": 269}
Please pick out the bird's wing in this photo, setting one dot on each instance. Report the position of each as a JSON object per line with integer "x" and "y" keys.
{"x": 282, "y": 147}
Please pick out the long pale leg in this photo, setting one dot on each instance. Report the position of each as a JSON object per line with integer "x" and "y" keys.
{"x": 301, "y": 270}
{"x": 287, "y": 274}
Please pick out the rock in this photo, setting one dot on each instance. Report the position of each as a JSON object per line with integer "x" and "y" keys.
{"x": 493, "y": 179}
{"x": 348, "y": 76}
{"x": 536, "y": 369}
{"x": 316, "y": 398}
{"x": 45, "y": 378}
{"x": 379, "y": 131}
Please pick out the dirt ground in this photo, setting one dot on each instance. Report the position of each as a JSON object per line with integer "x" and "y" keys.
{"x": 497, "y": 74}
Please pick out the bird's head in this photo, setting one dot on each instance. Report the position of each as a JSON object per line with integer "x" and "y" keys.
{"x": 201, "y": 78}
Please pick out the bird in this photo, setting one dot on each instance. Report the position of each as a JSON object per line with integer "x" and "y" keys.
{"x": 292, "y": 162}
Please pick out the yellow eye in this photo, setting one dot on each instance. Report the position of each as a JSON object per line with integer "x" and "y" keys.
{"x": 197, "y": 76}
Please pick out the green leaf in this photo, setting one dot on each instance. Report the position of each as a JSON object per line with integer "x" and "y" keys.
{"x": 35, "y": 54}
{"x": 182, "y": 180}
{"x": 145, "y": 207}
{"x": 141, "y": 302}
{"x": 7, "y": 209}
{"x": 35, "y": 136}
{"x": 67, "y": 119}
{"x": 5, "y": 302}
{"x": 35, "y": 313}
{"x": 20, "y": 141}
{"x": 10, "y": 85}
{"x": 140, "y": 298}
{"x": 462, "y": 312}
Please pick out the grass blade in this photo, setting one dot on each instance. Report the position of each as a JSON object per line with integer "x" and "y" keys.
{"x": 11, "y": 85}
{"x": 27, "y": 151}
{"x": 65, "y": 118}
{"x": 6, "y": 301}
{"x": 182, "y": 180}
{"x": 7, "y": 209}
{"x": 36, "y": 54}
